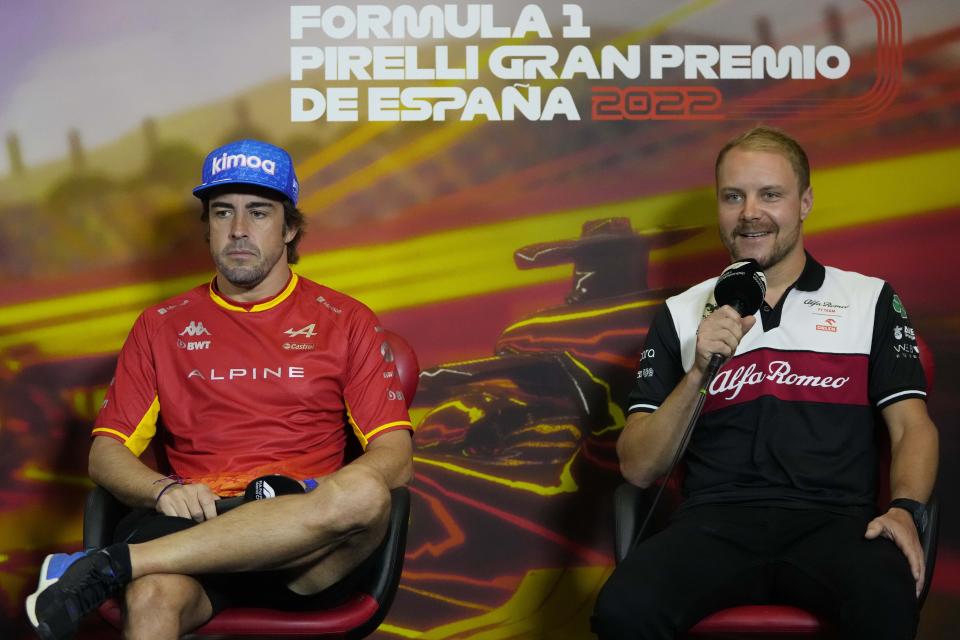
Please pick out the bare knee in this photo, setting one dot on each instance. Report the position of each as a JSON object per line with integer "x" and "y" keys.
{"x": 153, "y": 591}
{"x": 164, "y": 602}
{"x": 355, "y": 499}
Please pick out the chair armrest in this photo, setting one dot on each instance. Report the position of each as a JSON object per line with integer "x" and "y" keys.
{"x": 631, "y": 506}
{"x": 101, "y": 514}
{"x": 929, "y": 544}
{"x": 389, "y": 555}
{"x": 628, "y": 514}
{"x": 386, "y": 563}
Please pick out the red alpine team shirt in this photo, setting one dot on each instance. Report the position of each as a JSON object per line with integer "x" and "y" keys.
{"x": 235, "y": 391}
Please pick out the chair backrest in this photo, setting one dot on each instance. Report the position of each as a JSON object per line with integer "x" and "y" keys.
{"x": 408, "y": 371}
{"x": 408, "y": 368}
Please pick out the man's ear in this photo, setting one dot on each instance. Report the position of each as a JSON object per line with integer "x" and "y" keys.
{"x": 806, "y": 203}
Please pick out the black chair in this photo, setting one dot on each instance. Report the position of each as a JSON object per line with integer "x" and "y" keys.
{"x": 356, "y": 617}
{"x": 631, "y": 505}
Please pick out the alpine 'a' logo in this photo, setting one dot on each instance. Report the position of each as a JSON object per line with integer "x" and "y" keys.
{"x": 307, "y": 331}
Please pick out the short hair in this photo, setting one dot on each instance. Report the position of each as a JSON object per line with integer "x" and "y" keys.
{"x": 293, "y": 218}
{"x": 773, "y": 140}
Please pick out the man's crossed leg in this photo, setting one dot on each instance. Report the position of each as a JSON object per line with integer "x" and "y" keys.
{"x": 316, "y": 539}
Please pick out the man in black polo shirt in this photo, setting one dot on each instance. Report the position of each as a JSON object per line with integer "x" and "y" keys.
{"x": 781, "y": 467}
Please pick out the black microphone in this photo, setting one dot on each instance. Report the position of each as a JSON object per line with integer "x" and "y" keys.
{"x": 742, "y": 285}
{"x": 270, "y": 486}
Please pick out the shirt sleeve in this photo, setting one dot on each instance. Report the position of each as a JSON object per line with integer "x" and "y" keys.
{"x": 895, "y": 370}
{"x": 660, "y": 367}
{"x": 372, "y": 391}
{"x": 131, "y": 408}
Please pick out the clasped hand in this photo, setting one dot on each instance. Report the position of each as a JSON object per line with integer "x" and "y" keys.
{"x": 195, "y": 501}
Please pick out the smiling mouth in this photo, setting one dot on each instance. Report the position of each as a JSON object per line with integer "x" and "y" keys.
{"x": 754, "y": 234}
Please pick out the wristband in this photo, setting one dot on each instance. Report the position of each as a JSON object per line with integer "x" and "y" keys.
{"x": 176, "y": 481}
{"x": 917, "y": 511}
{"x": 310, "y": 484}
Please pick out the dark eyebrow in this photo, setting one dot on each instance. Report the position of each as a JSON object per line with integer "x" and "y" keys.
{"x": 220, "y": 204}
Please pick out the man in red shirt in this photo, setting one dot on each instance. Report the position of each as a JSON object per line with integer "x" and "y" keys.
{"x": 256, "y": 373}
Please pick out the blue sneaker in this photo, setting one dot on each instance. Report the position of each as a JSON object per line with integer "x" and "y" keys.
{"x": 71, "y": 586}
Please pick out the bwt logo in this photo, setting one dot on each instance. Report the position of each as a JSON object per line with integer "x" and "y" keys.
{"x": 225, "y": 162}
{"x": 194, "y": 345}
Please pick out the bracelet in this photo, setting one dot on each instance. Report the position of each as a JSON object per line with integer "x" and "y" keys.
{"x": 178, "y": 481}
{"x": 310, "y": 484}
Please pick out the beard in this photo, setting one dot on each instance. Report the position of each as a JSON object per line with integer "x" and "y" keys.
{"x": 783, "y": 243}
{"x": 248, "y": 275}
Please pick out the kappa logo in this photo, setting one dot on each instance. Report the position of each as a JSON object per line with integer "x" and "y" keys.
{"x": 308, "y": 331}
{"x": 194, "y": 329}
{"x": 225, "y": 162}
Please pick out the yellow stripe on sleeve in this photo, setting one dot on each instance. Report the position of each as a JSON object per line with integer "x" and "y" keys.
{"x": 356, "y": 429}
{"x": 366, "y": 438}
{"x": 123, "y": 437}
{"x": 139, "y": 440}
{"x": 384, "y": 427}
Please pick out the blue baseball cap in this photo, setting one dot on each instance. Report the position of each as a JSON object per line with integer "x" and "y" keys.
{"x": 250, "y": 162}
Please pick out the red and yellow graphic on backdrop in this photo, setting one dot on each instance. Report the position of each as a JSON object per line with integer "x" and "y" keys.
{"x": 522, "y": 259}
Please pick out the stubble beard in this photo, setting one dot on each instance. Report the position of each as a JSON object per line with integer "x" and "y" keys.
{"x": 782, "y": 245}
{"x": 245, "y": 276}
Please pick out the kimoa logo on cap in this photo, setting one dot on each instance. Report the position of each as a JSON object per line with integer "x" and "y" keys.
{"x": 224, "y": 162}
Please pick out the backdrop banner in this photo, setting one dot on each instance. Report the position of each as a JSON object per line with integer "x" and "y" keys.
{"x": 514, "y": 188}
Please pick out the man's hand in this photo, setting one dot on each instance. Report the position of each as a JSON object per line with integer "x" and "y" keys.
{"x": 897, "y": 525}
{"x": 720, "y": 333}
{"x": 188, "y": 501}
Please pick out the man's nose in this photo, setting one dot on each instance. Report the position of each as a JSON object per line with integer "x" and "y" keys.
{"x": 751, "y": 207}
{"x": 238, "y": 225}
